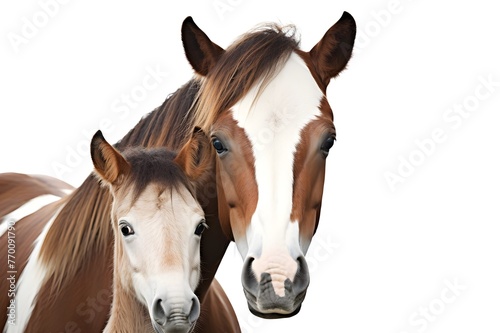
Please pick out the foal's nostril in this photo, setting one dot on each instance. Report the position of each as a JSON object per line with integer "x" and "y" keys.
{"x": 159, "y": 313}
{"x": 195, "y": 310}
{"x": 177, "y": 316}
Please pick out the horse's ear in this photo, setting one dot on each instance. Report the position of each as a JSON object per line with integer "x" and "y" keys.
{"x": 331, "y": 54}
{"x": 200, "y": 51}
{"x": 195, "y": 157}
{"x": 109, "y": 164}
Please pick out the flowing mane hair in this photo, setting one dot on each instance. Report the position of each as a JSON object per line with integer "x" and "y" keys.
{"x": 157, "y": 166}
{"x": 82, "y": 230}
{"x": 256, "y": 57}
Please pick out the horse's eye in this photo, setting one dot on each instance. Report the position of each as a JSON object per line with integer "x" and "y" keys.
{"x": 126, "y": 229}
{"x": 200, "y": 228}
{"x": 219, "y": 146}
{"x": 327, "y": 145}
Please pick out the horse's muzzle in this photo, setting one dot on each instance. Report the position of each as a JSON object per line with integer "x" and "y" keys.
{"x": 262, "y": 298}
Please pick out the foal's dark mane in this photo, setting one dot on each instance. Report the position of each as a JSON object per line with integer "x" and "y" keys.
{"x": 154, "y": 165}
{"x": 82, "y": 230}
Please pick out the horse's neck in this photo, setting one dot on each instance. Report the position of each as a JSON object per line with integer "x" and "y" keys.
{"x": 127, "y": 313}
{"x": 214, "y": 242}
{"x": 169, "y": 125}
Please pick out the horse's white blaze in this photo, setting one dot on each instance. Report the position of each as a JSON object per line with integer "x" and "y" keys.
{"x": 273, "y": 124}
{"x": 29, "y": 284}
{"x": 28, "y": 208}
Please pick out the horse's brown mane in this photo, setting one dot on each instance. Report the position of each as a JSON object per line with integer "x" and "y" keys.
{"x": 82, "y": 229}
{"x": 153, "y": 130}
{"x": 253, "y": 59}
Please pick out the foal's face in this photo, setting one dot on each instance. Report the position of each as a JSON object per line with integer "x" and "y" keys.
{"x": 160, "y": 232}
{"x": 158, "y": 225}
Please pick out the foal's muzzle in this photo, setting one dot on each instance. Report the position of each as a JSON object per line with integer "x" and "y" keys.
{"x": 175, "y": 316}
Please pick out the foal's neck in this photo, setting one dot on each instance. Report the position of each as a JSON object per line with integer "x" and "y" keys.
{"x": 127, "y": 313}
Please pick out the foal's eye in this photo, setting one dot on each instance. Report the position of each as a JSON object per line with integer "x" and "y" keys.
{"x": 200, "y": 228}
{"x": 126, "y": 229}
{"x": 327, "y": 145}
{"x": 219, "y": 146}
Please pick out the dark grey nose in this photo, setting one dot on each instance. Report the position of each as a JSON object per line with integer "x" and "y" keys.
{"x": 175, "y": 316}
{"x": 261, "y": 297}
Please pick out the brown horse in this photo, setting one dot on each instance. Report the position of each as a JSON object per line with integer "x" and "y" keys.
{"x": 263, "y": 103}
{"x": 157, "y": 224}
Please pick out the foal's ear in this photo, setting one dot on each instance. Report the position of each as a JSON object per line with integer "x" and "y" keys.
{"x": 331, "y": 54}
{"x": 195, "y": 157}
{"x": 109, "y": 164}
{"x": 200, "y": 51}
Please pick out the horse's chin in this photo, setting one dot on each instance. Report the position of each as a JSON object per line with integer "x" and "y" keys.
{"x": 181, "y": 328}
{"x": 273, "y": 313}
{"x": 274, "y": 307}
{"x": 265, "y": 301}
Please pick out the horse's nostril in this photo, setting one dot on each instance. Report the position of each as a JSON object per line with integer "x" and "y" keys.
{"x": 301, "y": 279}
{"x": 248, "y": 277}
{"x": 159, "y": 314}
{"x": 195, "y": 310}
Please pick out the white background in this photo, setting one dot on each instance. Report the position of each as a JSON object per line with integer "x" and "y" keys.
{"x": 380, "y": 255}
